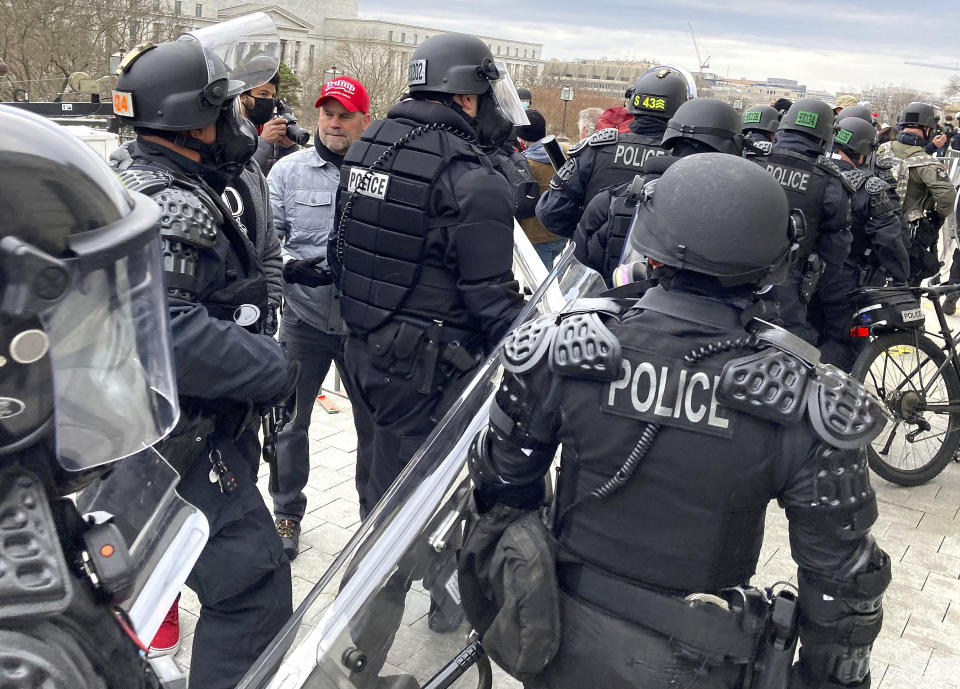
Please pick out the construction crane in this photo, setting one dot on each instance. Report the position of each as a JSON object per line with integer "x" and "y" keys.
{"x": 704, "y": 64}
{"x": 952, "y": 68}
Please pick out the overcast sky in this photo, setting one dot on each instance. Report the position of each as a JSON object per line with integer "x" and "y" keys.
{"x": 839, "y": 45}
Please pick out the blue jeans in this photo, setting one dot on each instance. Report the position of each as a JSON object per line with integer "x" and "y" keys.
{"x": 548, "y": 251}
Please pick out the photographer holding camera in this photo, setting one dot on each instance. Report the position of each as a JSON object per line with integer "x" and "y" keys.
{"x": 274, "y": 139}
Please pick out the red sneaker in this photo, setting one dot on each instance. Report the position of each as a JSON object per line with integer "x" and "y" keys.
{"x": 167, "y": 639}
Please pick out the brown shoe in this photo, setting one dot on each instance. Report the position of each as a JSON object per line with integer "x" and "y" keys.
{"x": 289, "y": 530}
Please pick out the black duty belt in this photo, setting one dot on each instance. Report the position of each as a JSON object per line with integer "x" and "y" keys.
{"x": 704, "y": 626}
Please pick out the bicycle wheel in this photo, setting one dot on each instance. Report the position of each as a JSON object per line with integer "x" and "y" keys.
{"x": 902, "y": 370}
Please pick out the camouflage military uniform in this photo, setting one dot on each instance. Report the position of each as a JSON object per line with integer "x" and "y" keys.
{"x": 928, "y": 197}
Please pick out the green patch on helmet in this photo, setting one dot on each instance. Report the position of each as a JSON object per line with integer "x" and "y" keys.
{"x": 807, "y": 119}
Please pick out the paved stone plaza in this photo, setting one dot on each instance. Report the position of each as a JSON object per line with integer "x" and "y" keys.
{"x": 919, "y": 647}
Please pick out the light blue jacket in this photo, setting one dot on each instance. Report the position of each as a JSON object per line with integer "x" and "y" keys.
{"x": 303, "y": 195}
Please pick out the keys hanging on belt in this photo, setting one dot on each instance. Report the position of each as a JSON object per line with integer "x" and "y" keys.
{"x": 220, "y": 473}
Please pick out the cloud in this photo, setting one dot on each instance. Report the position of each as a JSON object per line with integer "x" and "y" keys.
{"x": 812, "y": 42}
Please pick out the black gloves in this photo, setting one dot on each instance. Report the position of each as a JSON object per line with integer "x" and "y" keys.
{"x": 308, "y": 272}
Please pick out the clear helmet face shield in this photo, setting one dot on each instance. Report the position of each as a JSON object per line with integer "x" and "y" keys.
{"x": 245, "y": 50}
{"x": 505, "y": 93}
{"x": 109, "y": 350}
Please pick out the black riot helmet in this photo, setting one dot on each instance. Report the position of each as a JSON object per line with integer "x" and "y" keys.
{"x": 862, "y": 111}
{"x": 856, "y": 135}
{"x": 761, "y": 118}
{"x": 660, "y": 91}
{"x": 87, "y": 367}
{"x": 717, "y": 215}
{"x": 811, "y": 117}
{"x": 452, "y": 64}
{"x": 707, "y": 120}
{"x": 193, "y": 82}
{"x": 917, "y": 115}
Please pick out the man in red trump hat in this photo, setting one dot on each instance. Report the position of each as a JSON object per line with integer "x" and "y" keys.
{"x": 303, "y": 189}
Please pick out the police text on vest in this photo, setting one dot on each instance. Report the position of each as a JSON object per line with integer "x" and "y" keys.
{"x": 666, "y": 392}
{"x": 368, "y": 182}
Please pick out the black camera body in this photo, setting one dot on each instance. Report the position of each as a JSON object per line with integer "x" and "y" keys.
{"x": 295, "y": 132}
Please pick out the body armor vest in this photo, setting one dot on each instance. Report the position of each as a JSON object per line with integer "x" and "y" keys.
{"x": 617, "y": 162}
{"x": 387, "y": 215}
{"x": 805, "y": 182}
{"x": 621, "y": 218}
{"x": 709, "y": 469}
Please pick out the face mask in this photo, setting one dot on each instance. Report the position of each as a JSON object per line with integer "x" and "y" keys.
{"x": 492, "y": 126}
{"x": 235, "y": 145}
{"x": 262, "y": 111}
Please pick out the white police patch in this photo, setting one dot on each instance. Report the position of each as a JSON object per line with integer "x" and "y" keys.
{"x": 417, "y": 72}
{"x": 668, "y": 392}
{"x": 368, "y": 183}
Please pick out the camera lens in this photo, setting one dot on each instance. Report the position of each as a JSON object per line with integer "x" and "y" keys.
{"x": 298, "y": 134}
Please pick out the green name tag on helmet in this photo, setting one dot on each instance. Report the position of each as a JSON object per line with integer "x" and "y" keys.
{"x": 843, "y": 136}
{"x": 750, "y": 117}
{"x": 807, "y": 119}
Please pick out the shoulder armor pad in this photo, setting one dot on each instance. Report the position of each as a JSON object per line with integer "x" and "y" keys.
{"x": 577, "y": 147}
{"x": 855, "y": 178}
{"x": 145, "y": 180}
{"x": 582, "y": 347}
{"x": 875, "y": 185}
{"x": 526, "y": 345}
{"x": 769, "y": 384}
{"x": 604, "y": 137}
{"x": 843, "y": 413}
{"x": 185, "y": 217}
{"x": 884, "y": 162}
{"x": 564, "y": 174}
{"x": 825, "y": 163}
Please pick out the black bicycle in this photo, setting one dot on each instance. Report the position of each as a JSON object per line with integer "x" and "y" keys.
{"x": 916, "y": 373}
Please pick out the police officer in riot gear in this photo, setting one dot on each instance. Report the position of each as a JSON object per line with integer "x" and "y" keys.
{"x": 86, "y": 380}
{"x": 423, "y": 257}
{"x": 423, "y": 250}
{"x": 877, "y": 253}
{"x": 700, "y": 125}
{"x": 760, "y": 124}
{"x": 181, "y": 98}
{"x": 925, "y": 189}
{"x": 608, "y": 158}
{"x": 664, "y": 484}
{"x": 815, "y": 187}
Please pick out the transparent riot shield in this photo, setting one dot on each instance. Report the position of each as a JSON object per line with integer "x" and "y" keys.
{"x": 162, "y": 531}
{"x": 365, "y": 623}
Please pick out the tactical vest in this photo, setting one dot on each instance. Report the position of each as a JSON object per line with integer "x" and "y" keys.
{"x": 901, "y": 173}
{"x": 805, "y": 182}
{"x": 386, "y": 187}
{"x": 621, "y": 219}
{"x": 695, "y": 505}
{"x": 619, "y": 156}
